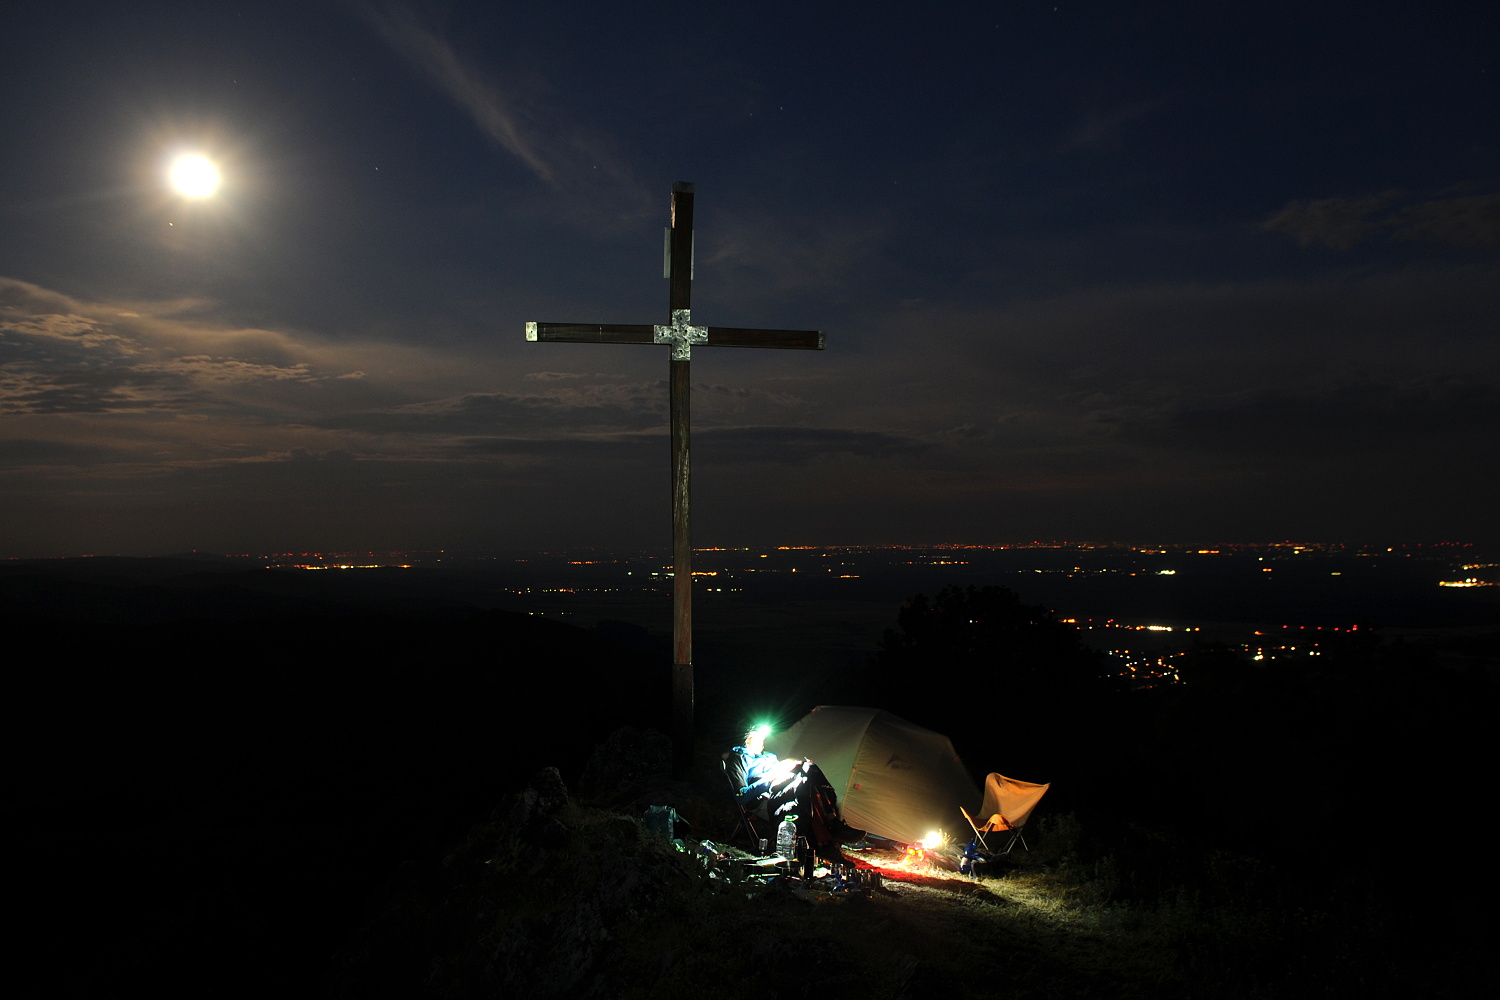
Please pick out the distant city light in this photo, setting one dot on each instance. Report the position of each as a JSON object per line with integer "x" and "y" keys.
{"x": 1139, "y": 662}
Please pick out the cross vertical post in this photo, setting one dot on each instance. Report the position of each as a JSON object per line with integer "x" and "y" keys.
{"x": 681, "y": 335}
{"x": 680, "y": 303}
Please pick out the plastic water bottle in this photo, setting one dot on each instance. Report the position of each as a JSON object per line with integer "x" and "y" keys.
{"x": 786, "y": 837}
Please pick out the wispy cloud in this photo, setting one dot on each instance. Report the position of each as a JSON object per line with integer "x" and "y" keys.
{"x": 1430, "y": 413}
{"x": 499, "y": 118}
{"x": 801, "y": 445}
{"x": 1333, "y": 222}
{"x": 553, "y": 145}
{"x": 1471, "y": 221}
{"x": 589, "y": 409}
{"x": 1098, "y": 129}
{"x": 767, "y": 255}
{"x": 1464, "y": 221}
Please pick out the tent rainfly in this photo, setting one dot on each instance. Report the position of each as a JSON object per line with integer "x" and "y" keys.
{"x": 894, "y": 778}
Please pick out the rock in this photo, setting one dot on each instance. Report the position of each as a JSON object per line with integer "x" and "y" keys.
{"x": 625, "y": 763}
{"x": 544, "y": 795}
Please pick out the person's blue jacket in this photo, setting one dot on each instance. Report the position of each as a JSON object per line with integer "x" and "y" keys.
{"x": 758, "y": 770}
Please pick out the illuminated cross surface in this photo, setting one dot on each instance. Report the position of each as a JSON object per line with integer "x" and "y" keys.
{"x": 682, "y": 335}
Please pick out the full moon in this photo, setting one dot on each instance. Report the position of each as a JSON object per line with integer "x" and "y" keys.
{"x": 194, "y": 176}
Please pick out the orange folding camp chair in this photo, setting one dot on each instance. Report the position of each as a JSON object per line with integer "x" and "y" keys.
{"x": 1006, "y": 808}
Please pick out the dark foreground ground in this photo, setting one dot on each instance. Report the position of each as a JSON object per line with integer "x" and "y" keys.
{"x": 226, "y": 789}
{"x": 553, "y": 897}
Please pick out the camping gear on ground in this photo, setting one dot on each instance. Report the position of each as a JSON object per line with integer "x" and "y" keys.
{"x": 972, "y": 857}
{"x": 893, "y": 778}
{"x": 661, "y": 821}
{"x": 1007, "y": 806}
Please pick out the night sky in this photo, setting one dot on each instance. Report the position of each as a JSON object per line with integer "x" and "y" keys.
{"x": 1167, "y": 271}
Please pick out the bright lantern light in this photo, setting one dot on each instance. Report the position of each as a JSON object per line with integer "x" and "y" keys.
{"x": 194, "y": 176}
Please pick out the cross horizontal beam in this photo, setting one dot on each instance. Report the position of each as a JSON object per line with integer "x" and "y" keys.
{"x": 645, "y": 333}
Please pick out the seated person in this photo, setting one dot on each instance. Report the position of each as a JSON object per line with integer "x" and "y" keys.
{"x": 775, "y": 787}
{"x": 770, "y": 783}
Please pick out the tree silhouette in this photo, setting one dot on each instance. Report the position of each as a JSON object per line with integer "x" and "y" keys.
{"x": 975, "y": 656}
{"x": 988, "y": 634}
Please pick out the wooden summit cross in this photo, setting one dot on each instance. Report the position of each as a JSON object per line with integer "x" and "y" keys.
{"x": 681, "y": 335}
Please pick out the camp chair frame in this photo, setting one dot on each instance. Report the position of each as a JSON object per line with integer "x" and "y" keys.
{"x": 733, "y": 766}
{"x": 1015, "y": 835}
{"x": 1008, "y": 804}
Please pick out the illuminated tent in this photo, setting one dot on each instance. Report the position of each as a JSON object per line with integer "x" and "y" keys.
{"x": 893, "y": 778}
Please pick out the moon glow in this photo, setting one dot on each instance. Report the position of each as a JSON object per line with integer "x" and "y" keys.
{"x": 194, "y": 176}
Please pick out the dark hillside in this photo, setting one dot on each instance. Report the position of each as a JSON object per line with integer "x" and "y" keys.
{"x": 225, "y": 778}
{"x": 216, "y": 798}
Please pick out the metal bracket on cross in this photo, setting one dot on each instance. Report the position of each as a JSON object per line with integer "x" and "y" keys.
{"x": 682, "y": 335}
